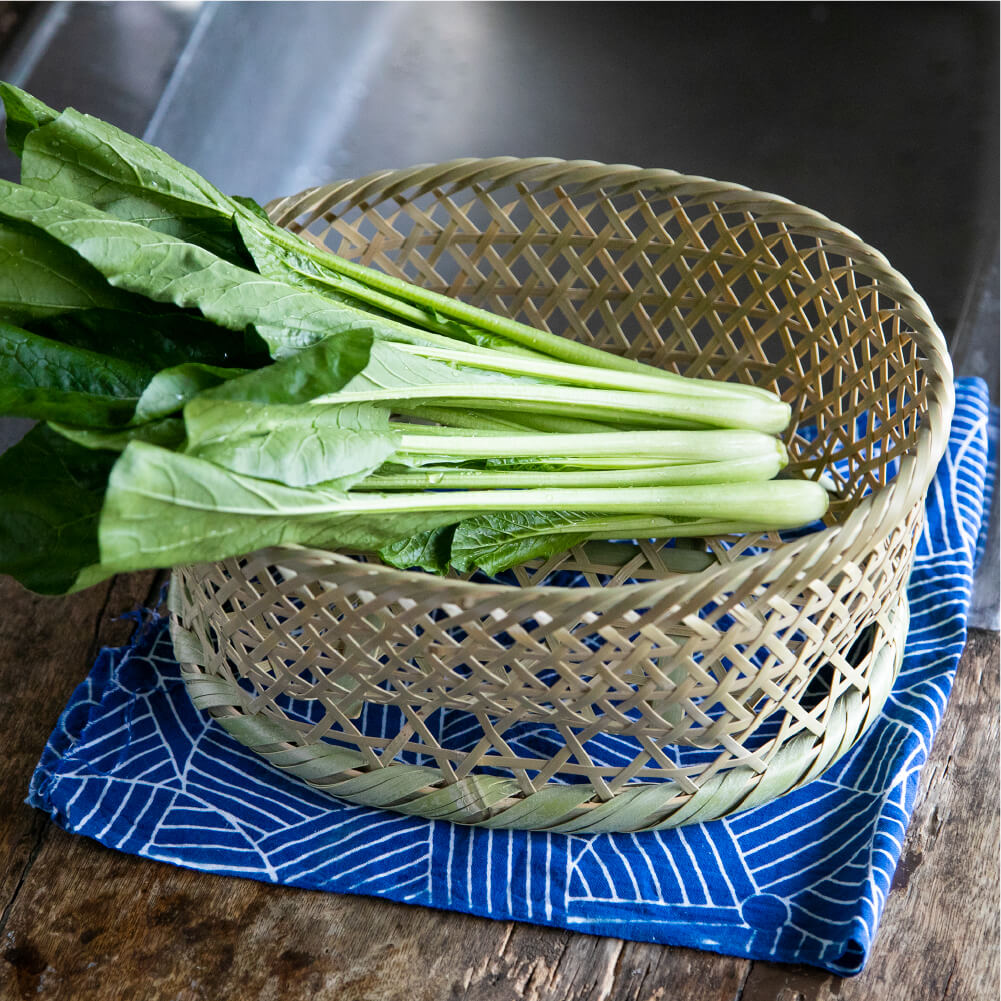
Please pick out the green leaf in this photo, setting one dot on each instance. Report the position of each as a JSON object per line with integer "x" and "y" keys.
{"x": 324, "y": 367}
{"x": 41, "y": 278}
{"x": 167, "y": 433}
{"x": 296, "y": 445}
{"x": 24, "y": 113}
{"x": 496, "y": 542}
{"x": 47, "y": 380}
{"x": 156, "y": 339}
{"x": 80, "y": 157}
{"x": 165, "y": 508}
{"x": 499, "y": 541}
{"x": 253, "y": 207}
{"x": 171, "y": 388}
{"x": 287, "y": 257}
{"x": 167, "y": 269}
{"x": 429, "y": 551}
{"x": 289, "y": 263}
{"x": 51, "y": 492}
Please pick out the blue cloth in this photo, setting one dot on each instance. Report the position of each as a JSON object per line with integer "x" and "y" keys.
{"x": 803, "y": 879}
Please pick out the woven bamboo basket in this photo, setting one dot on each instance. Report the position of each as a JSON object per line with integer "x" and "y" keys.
{"x": 620, "y": 686}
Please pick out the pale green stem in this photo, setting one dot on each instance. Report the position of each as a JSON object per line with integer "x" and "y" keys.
{"x": 537, "y": 340}
{"x": 651, "y": 409}
{"x": 693, "y": 446}
{"x": 590, "y": 375}
{"x": 762, "y": 467}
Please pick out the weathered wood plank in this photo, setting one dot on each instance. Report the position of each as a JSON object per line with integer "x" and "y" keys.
{"x": 46, "y": 647}
{"x": 88, "y": 923}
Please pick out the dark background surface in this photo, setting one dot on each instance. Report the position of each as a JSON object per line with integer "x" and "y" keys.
{"x": 884, "y": 117}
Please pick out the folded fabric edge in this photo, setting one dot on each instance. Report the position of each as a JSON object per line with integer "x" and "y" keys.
{"x": 849, "y": 962}
{"x": 77, "y": 714}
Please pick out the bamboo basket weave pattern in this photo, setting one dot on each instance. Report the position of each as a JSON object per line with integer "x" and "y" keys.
{"x": 669, "y": 684}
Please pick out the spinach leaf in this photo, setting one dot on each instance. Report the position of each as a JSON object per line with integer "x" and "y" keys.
{"x": 24, "y": 113}
{"x": 47, "y": 380}
{"x": 296, "y": 445}
{"x": 51, "y": 492}
{"x": 168, "y": 432}
{"x": 287, "y": 257}
{"x": 81, "y": 157}
{"x": 40, "y": 278}
{"x": 158, "y": 339}
{"x": 167, "y": 269}
{"x": 165, "y": 508}
{"x": 251, "y": 206}
{"x": 324, "y": 367}
{"x": 171, "y": 388}
{"x": 498, "y": 541}
{"x": 429, "y": 551}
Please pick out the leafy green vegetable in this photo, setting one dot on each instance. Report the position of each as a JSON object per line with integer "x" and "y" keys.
{"x": 431, "y": 551}
{"x": 171, "y": 388}
{"x": 83, "y": 158}
{"x": 80, "y": 157}
{"x": 164, "y": 508}
{"x": 295, "y": 445}
{"x": 277, "y": 256}
{"x": 168, "y": 432}
{"x": 167, "y": 269}
{"x": 39, "y": 277}
{"x": 325, "y": 367}
{"x": 95, "y": 161}
{"x": 51, "y": 496}
{"x": 499, "y": 541}
{"x": 158, "y": 340}
{"x": 214, "y": 384}
{"x": 44, "y": 379}
{"x": 24, "y": 113}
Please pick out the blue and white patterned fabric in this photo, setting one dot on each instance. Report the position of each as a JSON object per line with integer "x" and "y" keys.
{"x": 804, "y": 879}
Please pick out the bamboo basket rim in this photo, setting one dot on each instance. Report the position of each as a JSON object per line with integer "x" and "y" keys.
{"x": 872, "y": 518}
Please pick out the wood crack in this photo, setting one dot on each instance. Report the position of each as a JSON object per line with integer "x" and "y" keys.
{"x": 743, "y": 981}
{"x": 41, "y": 830}
{"x": 607, "y": 984}
{"x": 948, "y": 982}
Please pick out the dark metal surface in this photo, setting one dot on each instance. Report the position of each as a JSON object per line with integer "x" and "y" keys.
{"x": 112, "y": 60}
{"x": 882, "y": 116}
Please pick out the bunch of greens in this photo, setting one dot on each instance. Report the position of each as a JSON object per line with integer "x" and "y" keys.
{"x": 207, "y": 383}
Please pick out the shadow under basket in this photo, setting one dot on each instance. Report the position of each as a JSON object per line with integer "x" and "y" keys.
{"x": 619, "y": 686}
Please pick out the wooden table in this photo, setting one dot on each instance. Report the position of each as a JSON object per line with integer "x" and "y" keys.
{"x": 80, "y": 921}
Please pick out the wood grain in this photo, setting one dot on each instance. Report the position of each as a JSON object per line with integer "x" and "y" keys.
{"x": 84, "y": 923}
{"x": 46, "y": 647}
